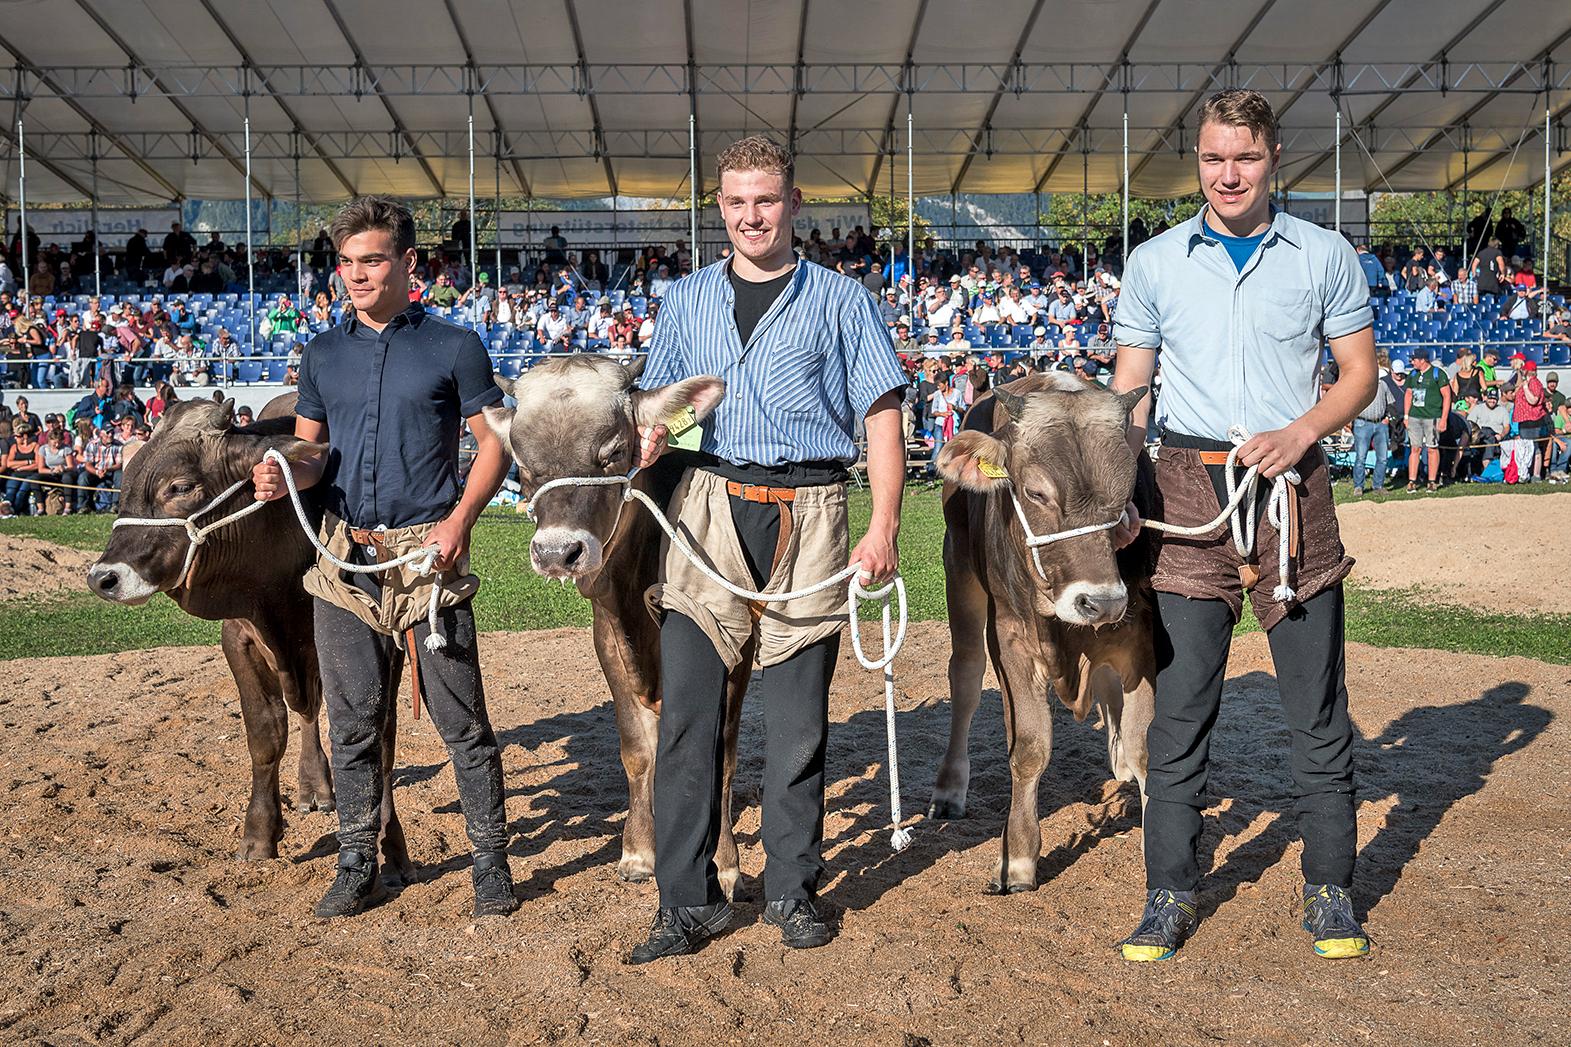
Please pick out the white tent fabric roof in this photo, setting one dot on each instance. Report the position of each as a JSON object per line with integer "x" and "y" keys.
{"x": 588, "y": 97}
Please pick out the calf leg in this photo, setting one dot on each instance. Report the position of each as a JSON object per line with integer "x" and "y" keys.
{"x": 1127, "y": 715}
{"x": 639, "y": 729}
{"x": 397, "y": 869}
{"x": 1028, "y": 723}
{"x": 968, "y": 616}
{"x": 727, "y": 860}
{"x": 302, "y": 683}
{"x": 266, "y": 734}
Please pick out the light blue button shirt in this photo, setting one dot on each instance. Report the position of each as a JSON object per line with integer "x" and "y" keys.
{"x": 817, "y": 360}
{"x": 1240, "y": 347}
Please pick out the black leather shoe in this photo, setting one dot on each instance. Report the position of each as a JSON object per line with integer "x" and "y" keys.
{"x": 357, "y": 888}
{"x": 801, "y": 927}
{"x": 679, "y": 931}
{"x": 493, "y": 885}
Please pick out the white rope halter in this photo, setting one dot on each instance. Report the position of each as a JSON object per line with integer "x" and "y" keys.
{"x": 899, "y": 838}
{"x": 1240, "y": 492}
{"x": 421, "y": 561}
{"x": 1239, "y": 515}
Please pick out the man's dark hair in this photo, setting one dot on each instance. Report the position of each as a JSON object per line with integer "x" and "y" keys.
{"x": 370, "y": 213}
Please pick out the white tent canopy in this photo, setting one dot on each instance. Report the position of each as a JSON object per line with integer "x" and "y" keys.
{"x": 581, "y": 98}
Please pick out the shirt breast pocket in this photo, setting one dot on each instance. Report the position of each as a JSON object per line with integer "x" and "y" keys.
{"x": 1285, "y": 316}
{"x": 794, "y": 379}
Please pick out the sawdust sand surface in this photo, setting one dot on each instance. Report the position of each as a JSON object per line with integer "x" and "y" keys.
{"x": 125, "y": 918}
{"x": 1496, "y": 552}
{"x": 30, "y": 567}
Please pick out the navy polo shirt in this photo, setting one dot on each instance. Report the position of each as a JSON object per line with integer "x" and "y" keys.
{"x": 393, "y": 401}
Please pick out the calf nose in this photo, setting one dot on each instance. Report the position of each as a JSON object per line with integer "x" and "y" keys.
{"x": 103, "y": 580}
{"x": 557, "y": 554}
{"x": 1093, "y": 604}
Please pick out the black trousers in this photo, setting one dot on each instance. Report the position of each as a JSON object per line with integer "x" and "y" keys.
{"x": 689, "y": 757}
{"x": 1192, "y": 642}
{"x": 357, "y": 663}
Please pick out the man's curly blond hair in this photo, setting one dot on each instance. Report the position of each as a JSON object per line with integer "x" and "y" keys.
{"x": 757, "y": 153}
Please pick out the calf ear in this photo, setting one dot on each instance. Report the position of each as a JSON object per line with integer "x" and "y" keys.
{"x": 659, "y": 406}
{"x": 500, "y": 421}
{"x": 504, "y": 384}
{"x": 1014, "y": 404}
{"x": 1132, "y": 399}
{"x": 975, "y": 461}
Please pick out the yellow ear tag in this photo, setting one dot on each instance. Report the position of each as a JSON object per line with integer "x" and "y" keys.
{"x": 991, "y": 470}
{"x": 683, "y": 430}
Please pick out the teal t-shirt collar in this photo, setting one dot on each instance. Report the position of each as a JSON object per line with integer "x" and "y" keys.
{"x": 1239, "y": 248}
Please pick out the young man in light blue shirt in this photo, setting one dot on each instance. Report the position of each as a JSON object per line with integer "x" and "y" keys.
{"x": 1239, "y": 301}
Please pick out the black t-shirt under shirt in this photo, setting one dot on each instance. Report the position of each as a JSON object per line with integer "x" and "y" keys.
{"x": 754, "y": 299}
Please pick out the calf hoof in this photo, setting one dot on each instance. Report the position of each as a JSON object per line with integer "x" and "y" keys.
{"x": 307, "y": 804}
{"x": 995, "y": 888}
{"x": 257, "y": 850}
{"x": 946, "y": 808}
{"x": 729, "y": 879}
{"x": 635, "y": 868}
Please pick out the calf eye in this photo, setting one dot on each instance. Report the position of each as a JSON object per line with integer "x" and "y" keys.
{"x": 178, "y": 489}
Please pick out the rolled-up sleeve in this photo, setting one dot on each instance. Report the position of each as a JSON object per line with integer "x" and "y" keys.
{"x": 1346, "y": 294}
{"x": 1137, "y": 322}
{"x": 473, "y": 377}
{"x": 872, "y": 366}
{"x": 309, "y": 402}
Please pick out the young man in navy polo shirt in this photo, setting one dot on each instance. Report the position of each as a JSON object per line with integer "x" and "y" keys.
{"x": 386, "y": 392}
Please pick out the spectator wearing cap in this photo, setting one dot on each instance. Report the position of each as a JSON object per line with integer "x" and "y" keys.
{"x": 986, "y": 313}
{"x": 1039, "y": 343}
{"x": 553, "y": 328}
{"x": 1371, "y": 432}
{"x": 1427, "y": 403}
{"x": 1530, "y": 412}
{"x": 601, "y": 323}
{"x": 889, "y": 307}
{"x": 1490, "y": 423}
{"x": 1061, "y": 313}
{"x": 1488, "y": 366}
{"x": 941, "y": 315}
{"x": 1101, "y": 346}
{"x": 101, "y": 468}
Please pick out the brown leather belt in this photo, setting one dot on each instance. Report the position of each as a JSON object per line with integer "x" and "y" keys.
{"x": 763, "y": 495}
{"x": 760, "y": 493}
{"x": 375, "y": 540}
{"x": 1213, "y": 457}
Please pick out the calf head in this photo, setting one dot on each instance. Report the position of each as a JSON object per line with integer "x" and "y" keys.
{"x": 196, "y": 453}
{"x": 579, "y": 416}
{"x": 1058, "y": 447}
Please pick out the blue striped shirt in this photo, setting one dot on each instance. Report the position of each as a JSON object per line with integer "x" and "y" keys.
{"x": 1240, "y": 346}
{"x": 818, "y": 359}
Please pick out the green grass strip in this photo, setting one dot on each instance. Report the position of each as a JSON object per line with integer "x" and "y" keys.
{"x": 514, "y": 598}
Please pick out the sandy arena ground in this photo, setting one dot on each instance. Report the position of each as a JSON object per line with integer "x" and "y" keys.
{"x": 1494, "y": 552}
{"x": 30, "y": 567}
{"x": 123, "y": 916}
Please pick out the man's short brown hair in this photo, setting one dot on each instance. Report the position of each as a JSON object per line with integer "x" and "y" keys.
{"x": 1238, "y": 107}
{"x": 370, "y": 213}
{"x": 757, "y": 153}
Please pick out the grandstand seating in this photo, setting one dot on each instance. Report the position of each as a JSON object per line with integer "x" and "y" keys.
{"x": 1398, "y": 330}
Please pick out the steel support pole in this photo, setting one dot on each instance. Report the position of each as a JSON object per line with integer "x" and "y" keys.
{"x": 692, "y": 185}
{"x": 98, "y": 283}
{"x": 1085, "y": 214}
{"x": 910, "y": 205}
{"x": 1543, "y": 270}
{"x": 299, "y": 236}
{"x": 250, "y": 254}
{"x": 496, "y": 210}
{"x": 1123, "y": 262}
{"x": 474, "y": 259}
{"x": 21, "y": 195}
{"x": 1337, "y": 211}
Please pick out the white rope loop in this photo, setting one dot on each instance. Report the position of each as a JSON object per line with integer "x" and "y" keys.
{"x": 892, "y": 592}
{"x": 422, "y": 561}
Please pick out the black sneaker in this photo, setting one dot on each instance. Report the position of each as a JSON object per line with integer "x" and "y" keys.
{"x": 357, "y": 888}
{"x": 1169, "y": 918}
{"x": 1328, "y": 916}
{"x": 493, "y": 885}
{"x": 681, "y": 930}
{"x": 801, "y": 927}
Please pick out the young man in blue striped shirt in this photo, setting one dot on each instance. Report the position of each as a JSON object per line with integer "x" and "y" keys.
{"x": 804, "y": 354}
